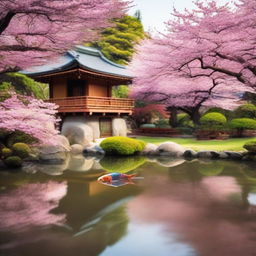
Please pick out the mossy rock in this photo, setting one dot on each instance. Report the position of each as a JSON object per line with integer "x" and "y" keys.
{"x": 122, "y": 164}
{"x": 21, "y": 149}
{"x": 250, "y": 146}
{"x": 6, "y": 152}
{"x": 19, "y": 136}
{"x": 13, "y": 162}
{"x": 122, "y": 146}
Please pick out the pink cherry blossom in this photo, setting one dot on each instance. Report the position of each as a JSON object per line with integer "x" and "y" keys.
{"x": 31, "y": 31}
{"x": 205, "y": 59}
{"x": 31, "y": 116}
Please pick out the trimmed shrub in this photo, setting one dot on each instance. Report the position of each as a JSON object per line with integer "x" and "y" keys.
{"x": 148, "y": 126}
{"x": 121, "y": 146}
{"x": 6, "y": 152}
{"x": 243, "y": 124}
{"x": 213, "y": 121}
{"x": 21, "y": 149}
{"x": 227, "y": 113}
{"x": 123, "y": 164}
{"x": 13, "y": 162}
{"x": 141, "y": 145}
{"x": 250, "y": 146}
{"x": 246, "y": 111}
{"x": 19, "y": 136}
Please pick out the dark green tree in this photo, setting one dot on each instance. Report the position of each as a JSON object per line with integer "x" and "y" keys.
{"x": 117, "y": 43}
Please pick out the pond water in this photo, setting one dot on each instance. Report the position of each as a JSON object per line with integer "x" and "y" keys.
{"x": 180, "y": 208}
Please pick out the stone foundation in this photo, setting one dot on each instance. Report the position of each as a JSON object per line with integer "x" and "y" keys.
{"x": 84, "y": 130}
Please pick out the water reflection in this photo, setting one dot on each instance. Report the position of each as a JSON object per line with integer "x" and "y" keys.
{"x": 179, "y": 208}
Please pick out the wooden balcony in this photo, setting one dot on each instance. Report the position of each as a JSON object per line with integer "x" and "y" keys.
{"x": 92, "y": 105}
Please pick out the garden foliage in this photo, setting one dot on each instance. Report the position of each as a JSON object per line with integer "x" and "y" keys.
{"x": 122, "y": 146}
{"x": 250, "y": 146}
{"x": 33, "y": 117}
{"x": 32, "y": 31}
{"x": 213, "y": 120}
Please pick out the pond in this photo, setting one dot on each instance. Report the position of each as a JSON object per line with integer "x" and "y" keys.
{"x": 180, "y": 208}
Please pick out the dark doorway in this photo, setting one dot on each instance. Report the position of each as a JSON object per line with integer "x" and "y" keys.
{"x": 76, "y": 88}
{"x": 105, "y": 127}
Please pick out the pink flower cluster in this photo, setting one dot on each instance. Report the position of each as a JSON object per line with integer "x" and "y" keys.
{"x": 31, "y": 116}
{"x": 207, "y": 57}
{"x": 32, "y": 31}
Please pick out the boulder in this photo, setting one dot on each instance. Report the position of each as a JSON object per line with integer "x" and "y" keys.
{"x": 170, "y": 149}
{"x": 94, "y": 150}
{"x": 77, "y": 149}
{"x": 234, "y": 155}
{"x": 119, "y": 127}
{"x": 215, "y": 155}
{"x": 77, "y": 131}
{"x": 223, "y": 155}
{"x": 62, "y": 145}
{"x": 188, "y": 154}
{"x": 93, "y": 122}
{"x": 204, "y": 154}
{"x": 150, "y": 149}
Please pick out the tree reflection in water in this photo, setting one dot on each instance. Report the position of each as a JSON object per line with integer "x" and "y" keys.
{"x": 207, "y": 205}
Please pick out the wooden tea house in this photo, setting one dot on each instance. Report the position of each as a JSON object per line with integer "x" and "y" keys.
{"x": 80, "y": 83}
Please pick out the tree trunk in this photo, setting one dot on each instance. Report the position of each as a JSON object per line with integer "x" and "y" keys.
{"x": 195, "y": 116}
{"x": 173, "y": 117}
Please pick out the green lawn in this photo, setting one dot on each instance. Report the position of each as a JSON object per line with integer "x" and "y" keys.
{"x": 217, "y": 145}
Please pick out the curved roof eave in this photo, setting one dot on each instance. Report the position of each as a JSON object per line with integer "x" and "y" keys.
{"x": 87, "y": 58}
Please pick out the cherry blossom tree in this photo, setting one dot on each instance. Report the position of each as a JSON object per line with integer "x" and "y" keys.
{"x": 31, "y": 116}
{"x": 31, "y": 31}
{"x": 205, "y": 59}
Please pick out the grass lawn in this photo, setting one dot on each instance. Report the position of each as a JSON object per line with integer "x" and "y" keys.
{"x": 216, "y": 145}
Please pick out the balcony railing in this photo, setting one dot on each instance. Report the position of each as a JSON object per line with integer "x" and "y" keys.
{"x": 93, "y": 104}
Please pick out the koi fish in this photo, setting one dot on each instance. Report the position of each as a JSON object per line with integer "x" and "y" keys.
{"x": 115, "y": 177}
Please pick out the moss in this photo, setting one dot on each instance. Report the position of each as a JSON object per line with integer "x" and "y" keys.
{"x": 21, "y": 149}
{"x": 121, "y": 146}
{"x": 13, "y": 162}
{"x": 122, "y": 164}
{"x": 250, "y": 146}
{"x": 6, "y": 152}
{"x": 19, "y": 136}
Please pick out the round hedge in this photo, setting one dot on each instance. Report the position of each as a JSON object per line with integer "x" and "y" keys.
{"x": 122, "y": 146}
{"x": 6, "y": 152}
{"x": 21, "y": 149}
{"x": 13, "y": 162}
{"x": 246, "y": 110}
{"x": 213, "y": 119}
{"x": 250, "y": 146}
{"x": 243, "y": 123}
